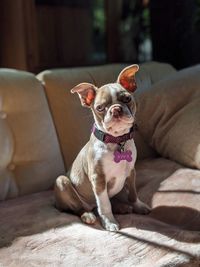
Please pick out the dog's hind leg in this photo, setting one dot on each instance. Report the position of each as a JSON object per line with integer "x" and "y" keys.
{"x": 88, "y": 217}
{"x": 119, "y": 207}
{"x": 66, "y": 196}
{"x": 67, "y": 199}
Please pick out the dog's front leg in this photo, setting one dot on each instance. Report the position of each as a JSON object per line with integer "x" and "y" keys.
{"x": 103, "y": 204}
{"x": 138, "y": 206}
{"x": 105, "y": 212}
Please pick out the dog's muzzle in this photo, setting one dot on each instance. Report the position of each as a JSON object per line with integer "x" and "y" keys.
{"x": 116, "y": 111}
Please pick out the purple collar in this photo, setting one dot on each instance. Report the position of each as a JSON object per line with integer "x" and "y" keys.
{"x": 107, "y": 138}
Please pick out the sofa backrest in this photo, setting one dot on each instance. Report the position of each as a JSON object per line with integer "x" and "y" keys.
{"x": 30, "y": 157}
{"x": 170, "y": 121}
{"x": 73, "y": 122}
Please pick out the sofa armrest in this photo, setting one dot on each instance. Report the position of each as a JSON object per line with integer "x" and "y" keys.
{"x": 30, "y": 158}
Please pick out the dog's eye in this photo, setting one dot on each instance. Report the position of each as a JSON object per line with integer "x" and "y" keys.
{"x": 100, "y": 108}
{"x": 126, "y": 99}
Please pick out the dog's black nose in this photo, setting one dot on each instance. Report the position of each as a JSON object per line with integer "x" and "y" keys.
{"x": 116, "y": 111}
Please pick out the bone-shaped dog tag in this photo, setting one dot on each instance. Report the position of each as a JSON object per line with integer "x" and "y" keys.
{"x": 122, "y": 155}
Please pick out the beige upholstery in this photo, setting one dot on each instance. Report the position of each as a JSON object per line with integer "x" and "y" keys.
{"x": 30, "y": 158}
{"x": 33, "y": 232}
{"x": 169, "y": 116}
{"x": 73, "y": 122}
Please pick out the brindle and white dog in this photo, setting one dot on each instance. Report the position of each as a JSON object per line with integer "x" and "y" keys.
{"x": 103, "y": 172}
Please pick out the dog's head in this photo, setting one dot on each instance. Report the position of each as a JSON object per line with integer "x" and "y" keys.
{"x": 113, "y": 104}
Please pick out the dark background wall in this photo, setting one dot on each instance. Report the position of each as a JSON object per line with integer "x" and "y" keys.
{"x": 41, "y": 34}
{"x": 175, "y": 31}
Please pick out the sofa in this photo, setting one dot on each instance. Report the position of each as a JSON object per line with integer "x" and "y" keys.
{"x": 43, "y": 127}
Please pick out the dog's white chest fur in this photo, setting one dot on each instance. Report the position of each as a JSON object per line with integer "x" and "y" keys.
{"x": 116, "y": 173}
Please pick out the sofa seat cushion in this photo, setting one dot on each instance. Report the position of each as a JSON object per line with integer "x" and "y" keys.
{"x": 169, "y": 116}
{"x": 35, "y": 233}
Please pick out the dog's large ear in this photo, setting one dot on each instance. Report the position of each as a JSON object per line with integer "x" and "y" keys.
{"x": 86, "y": 93}
{"x": 127, "y": 78}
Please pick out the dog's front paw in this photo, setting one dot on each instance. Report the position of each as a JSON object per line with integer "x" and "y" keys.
{"x": 110, "y": 225}
{"x": 140, "y": 207}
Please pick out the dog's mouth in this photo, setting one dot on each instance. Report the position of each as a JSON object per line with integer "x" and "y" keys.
{"x": 118, "y": 125}
{"x": 122, "y": 117}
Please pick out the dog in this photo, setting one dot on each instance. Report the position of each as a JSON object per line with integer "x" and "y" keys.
{"x": 103, "y": 174}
